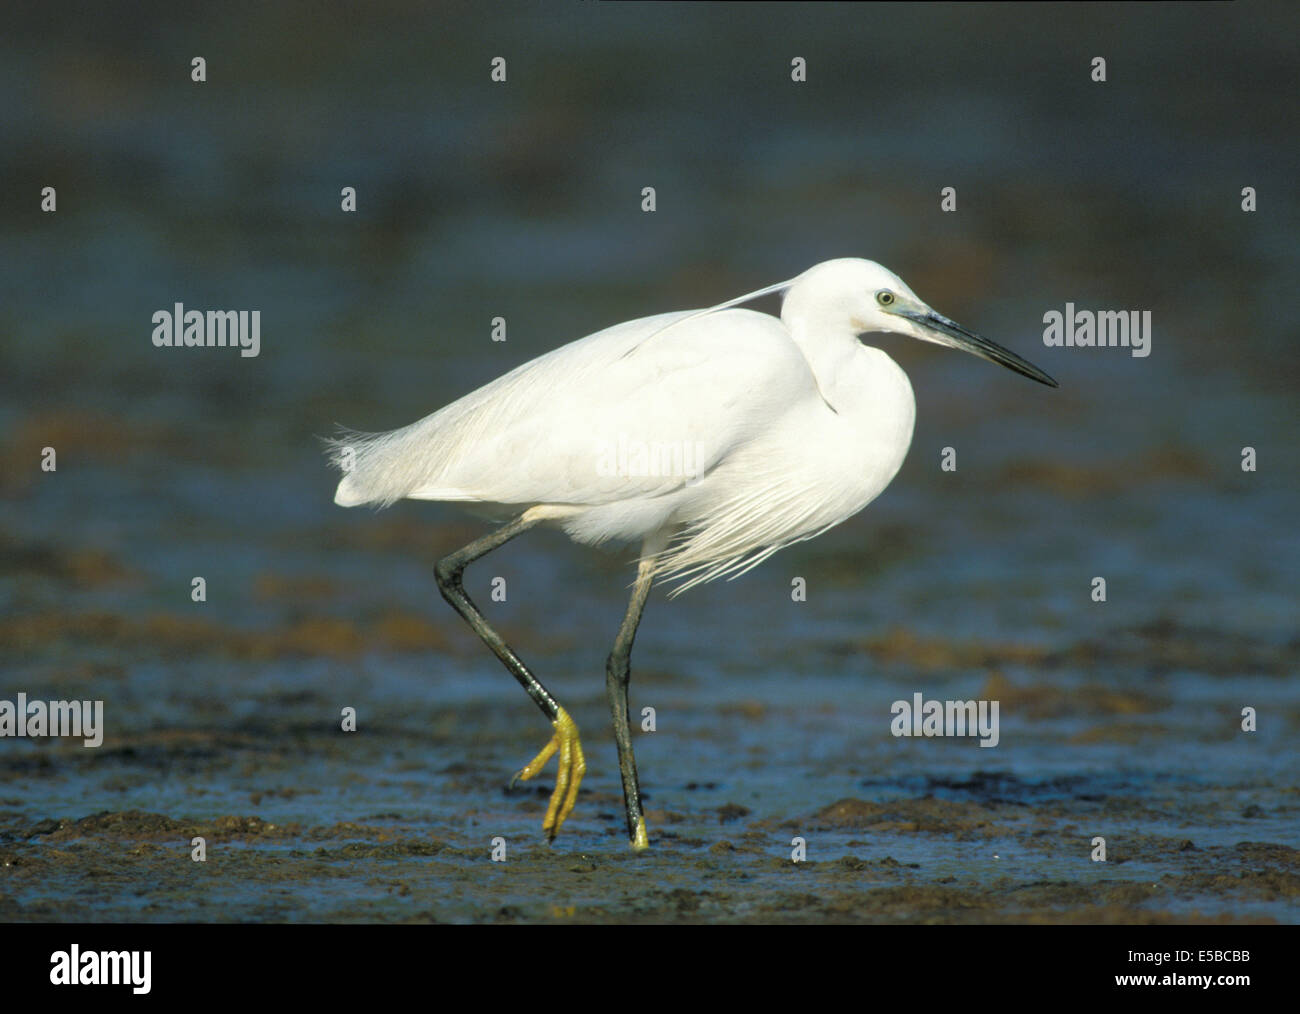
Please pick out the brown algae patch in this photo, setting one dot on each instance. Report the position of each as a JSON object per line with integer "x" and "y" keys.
{"x": 925, "y": 816}
{"x": 1161, "y": 646}
{"x": 169, "y": 635}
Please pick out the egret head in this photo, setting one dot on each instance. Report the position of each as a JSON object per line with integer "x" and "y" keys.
{"x": 871, "y": 298}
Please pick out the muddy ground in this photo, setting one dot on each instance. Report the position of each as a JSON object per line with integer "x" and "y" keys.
{"x": 396, "y": 822}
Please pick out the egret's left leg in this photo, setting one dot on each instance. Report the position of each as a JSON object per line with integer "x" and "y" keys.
{"x": 617, "y": 676}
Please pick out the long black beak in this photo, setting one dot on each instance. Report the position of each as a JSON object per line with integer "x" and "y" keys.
{"x": 959, "y": 338}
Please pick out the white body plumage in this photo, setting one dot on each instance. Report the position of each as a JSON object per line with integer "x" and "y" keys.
{"x": 777, "y": 428}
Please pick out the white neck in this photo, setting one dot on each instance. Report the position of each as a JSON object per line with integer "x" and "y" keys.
{"x": 828, "y": 341}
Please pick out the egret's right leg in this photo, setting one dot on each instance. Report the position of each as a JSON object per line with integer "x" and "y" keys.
{"x": 572, "y": 763}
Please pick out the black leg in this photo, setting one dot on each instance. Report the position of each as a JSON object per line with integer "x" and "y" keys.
{"x": 449, "y": 570}
{"x": 572, "y": 764}
{"x": 617, "y": 677}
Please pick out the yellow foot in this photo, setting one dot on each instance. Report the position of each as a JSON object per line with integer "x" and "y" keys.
{"x": 572, "y": 767}
{"x": 642, "y": 840}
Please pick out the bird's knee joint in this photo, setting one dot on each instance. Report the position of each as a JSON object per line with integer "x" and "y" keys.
{"x": 447, "y": 573}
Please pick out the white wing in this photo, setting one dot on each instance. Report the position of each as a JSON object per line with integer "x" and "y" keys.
{"x": 607, "y": 418}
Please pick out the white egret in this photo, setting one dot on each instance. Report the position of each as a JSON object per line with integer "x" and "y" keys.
{"x": 713, "y": 437}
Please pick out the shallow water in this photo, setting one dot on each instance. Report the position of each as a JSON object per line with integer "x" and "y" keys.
{"x": 1118, "y": 719}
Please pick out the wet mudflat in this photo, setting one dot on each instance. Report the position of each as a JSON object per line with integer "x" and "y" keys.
{"x": 396, "y": 822}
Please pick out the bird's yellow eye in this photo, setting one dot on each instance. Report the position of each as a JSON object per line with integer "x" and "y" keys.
{"x": 884, "y": 297}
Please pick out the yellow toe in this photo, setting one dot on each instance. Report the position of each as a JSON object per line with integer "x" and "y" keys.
{"x": 572, "y": 766}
